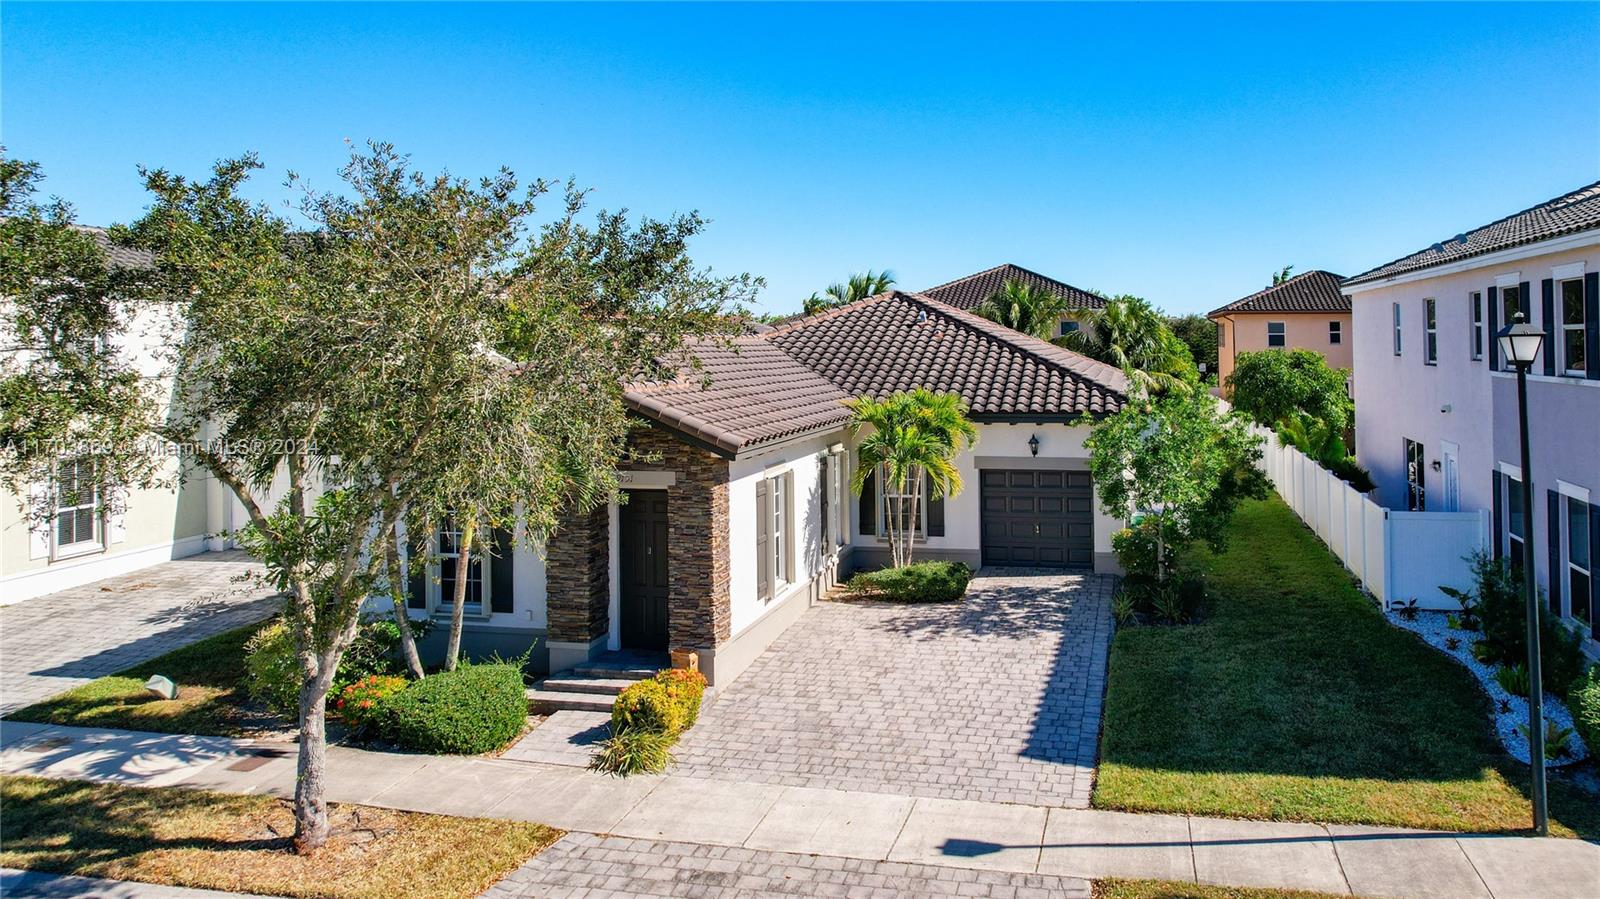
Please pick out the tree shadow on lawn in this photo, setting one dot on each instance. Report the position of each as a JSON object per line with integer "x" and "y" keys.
{"x": 1297, "y": 699}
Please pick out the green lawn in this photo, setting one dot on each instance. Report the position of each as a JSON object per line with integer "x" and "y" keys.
{"x": 211, "y": 698}
{"x": 1169, "y": 889}
{"x": 1295, "y": 700}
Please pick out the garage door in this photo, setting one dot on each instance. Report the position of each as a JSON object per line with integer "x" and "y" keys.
{"x": 1043, "y": 518}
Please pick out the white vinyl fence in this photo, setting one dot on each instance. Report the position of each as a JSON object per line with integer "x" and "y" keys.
{"x": 1398, "y": 556}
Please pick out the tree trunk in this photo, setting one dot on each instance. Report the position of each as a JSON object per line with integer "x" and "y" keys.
{"x": 310, "y": 786}
{"x": 913, "y": 520}
{"x": 402, "y": 618}
{"x": 458, "y": 602}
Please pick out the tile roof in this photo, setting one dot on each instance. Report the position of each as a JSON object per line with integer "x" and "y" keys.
{"x": 119, "y": 256}
{"x": 1313, "y": 291}
{"x": 792, "y": 380}
{"x": 747, "y": 392}
{"x": 1566, "y": 214}
{"x": 969, "y": 292}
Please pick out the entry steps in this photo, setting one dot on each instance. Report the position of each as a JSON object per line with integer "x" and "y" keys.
{"x": 594, "y": 685}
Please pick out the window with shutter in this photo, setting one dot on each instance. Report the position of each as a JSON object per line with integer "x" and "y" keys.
{"x": 867, "y": 505}
{"x": 77, "y": 508}
{"x": 1580, "y": 562}
{"x": 787, "y": 570}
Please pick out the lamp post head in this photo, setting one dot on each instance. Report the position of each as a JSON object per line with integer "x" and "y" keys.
{"x": 1519, "y": 342}
{"x": 1033, "y": 444}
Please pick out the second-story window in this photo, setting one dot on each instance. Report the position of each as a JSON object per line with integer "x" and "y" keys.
{"x": 1477, "y": 324}
{"x": 1430, "y": 332}
{"x": 1275, "y": 336}
{"x": 1068, "y": 326}
{"x": 1397, "y": 329}
{"x": 1572, "y": 323}
{"x": 1335, "y": 332}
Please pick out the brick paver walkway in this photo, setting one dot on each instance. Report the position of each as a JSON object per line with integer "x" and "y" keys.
{"x": 53, "y": 643}
{"x": 996, "y": 698}
{"x": 593, "y": 867}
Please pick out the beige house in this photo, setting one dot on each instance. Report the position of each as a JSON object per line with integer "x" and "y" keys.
{"x": 1308, "y": 311}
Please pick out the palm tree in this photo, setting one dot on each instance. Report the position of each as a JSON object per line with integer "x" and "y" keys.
{"x": 1133, "y": 335}
{"x": 1319, "y": 440}
{"x": 859, "y": 287}
{"x": 1026, "y": 308}
{"x": 1278, "y": 277}
{"x": 915, "y": 437}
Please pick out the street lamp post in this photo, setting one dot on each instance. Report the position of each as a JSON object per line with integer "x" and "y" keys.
{"x": 1519, "y": 344}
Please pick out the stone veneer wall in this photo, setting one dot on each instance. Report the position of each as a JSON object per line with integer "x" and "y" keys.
{"x": 578, "y": 584}
{"x": 699, "y": 615}
{"x": 578, "y": 555}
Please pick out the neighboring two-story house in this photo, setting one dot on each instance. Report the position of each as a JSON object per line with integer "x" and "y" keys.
{"x": 1308, "y": 311}
{"x": 1436, "y": 408}
{"x": 970, "y": 292}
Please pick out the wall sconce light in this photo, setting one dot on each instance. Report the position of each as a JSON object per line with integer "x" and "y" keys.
{"x": 1033, "y": 444}
{"x": 1436, "y": 465}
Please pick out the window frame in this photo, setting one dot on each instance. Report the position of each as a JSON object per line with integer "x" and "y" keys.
{"x": 1430, "y": 331}
{"x": 777, "y": 507}
{"x": 1475, "y": 300}
{"x": 1562, "y": 327}
{"x": 1416, "y": 475}
{"x": 1506, "y": 314}
{"x": 1067, "y": 326}
{"x": 1282, "y": 334}
{"x": 96, "y": 507}
{"x": 1518, "y": 556}
{"x": 1335, "y": 333}
{"x": 1571, "y": 568}
{"x": 1397, "y": 342}
{"x": 440, "y": 600}
{"x": 921, "y": 532}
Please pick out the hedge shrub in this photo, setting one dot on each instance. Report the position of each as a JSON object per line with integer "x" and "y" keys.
{"x": 647, "y": 719}
{"x": 364, "y": 704}
{"x": 1583, "y": 697}
{"x": 473, "y": 709}
{"x": 919, "y": 582}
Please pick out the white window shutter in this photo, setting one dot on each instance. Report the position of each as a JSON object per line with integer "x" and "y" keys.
{"x": 38, "y": 530}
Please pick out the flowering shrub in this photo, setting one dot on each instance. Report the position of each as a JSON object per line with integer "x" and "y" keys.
{"x": 364, "y": 705}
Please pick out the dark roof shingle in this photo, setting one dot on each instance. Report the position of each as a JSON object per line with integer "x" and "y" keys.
{"x": 971, "y": 291}
{"x": 897, "y": 341}
{"x": 1313, "y": 291}
{"x": 1566, "y": 214}
{"x": 119, "y": 256}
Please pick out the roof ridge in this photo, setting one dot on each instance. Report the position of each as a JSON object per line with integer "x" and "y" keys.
{"x": 992, "y": 268}
{"x": 797, "y": 321}
{"x": 1272, "y": 287}
{"x": 1356, "y": 279}
{"x": 1077, "y": 364}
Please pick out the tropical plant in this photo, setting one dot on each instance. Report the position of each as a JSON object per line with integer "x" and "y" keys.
{"x": 1321, "y": 442}
{"x": 1271, "y": 386}
{"x": 1467, "y": 618}
{"x": 1583, "y": 697}
{"x": 1407, "y": 610}
{"x": 395, "y": 348}
{"x": 1282, "y": 275}
{"x": 1024, "y": 307}
{"x": 858, "y": 287}
{"x": 1498, "y": 603}
{"x": 1557, "y": 740}
{"x": 1132, "y": 335}
{"x": 1513, "y": 679}
{"x": 1178, "y": 459}
{"x": 914, "y": 438}
{"x": 1123, "y": 609}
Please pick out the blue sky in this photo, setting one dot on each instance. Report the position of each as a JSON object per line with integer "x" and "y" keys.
{"x": 1180, "y": 152}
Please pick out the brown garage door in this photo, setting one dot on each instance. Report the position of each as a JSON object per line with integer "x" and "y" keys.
{"x": 1042, "y": 518}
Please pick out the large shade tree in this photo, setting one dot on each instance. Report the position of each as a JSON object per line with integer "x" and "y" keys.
{"x": 1024, "y": 307}
{"x": 1271, "y": 386}
{"x": 911, "y": 441}
{"x": 407, "y": 350}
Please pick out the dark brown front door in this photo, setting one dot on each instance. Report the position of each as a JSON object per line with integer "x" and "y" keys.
{"x": 643, "y": 546}
{"x": 1037, "y": 518}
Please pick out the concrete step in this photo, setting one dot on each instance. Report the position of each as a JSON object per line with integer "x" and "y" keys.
{"x": 620, "y": 672}
{"x": 610, "y": 686}
{"x": 547, "y": 701}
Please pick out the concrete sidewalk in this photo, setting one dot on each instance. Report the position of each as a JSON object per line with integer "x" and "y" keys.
{"x": 993, "y": 836}
{"x": 16, "y": 884}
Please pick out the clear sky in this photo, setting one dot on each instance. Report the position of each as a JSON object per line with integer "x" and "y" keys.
{"x": 1180, "y": 152}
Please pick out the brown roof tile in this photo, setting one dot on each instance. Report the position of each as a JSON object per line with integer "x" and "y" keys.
{"x": 1566, "y": 214}
{"x": 1313, "y": 291}
{"x": 971, "y": 291}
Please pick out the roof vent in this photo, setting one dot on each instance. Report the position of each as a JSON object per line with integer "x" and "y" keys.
{"x": 922, "y": 316}
{"x": 1461, "y": 238}
{"x": 1438, "y": 247}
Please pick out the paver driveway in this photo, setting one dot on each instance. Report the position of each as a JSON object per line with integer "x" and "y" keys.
{"x": 994, "y": 698}
{"x": 53, "y": 643}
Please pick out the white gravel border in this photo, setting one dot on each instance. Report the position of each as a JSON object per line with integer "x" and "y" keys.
{"x": 1434, "y": 629}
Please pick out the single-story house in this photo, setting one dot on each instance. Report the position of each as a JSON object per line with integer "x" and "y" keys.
{"x": 745, "y": 518}
{"x": 1307, "y": 311}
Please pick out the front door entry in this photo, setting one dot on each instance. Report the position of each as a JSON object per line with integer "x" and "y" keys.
{"x": 642, "y": 544}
